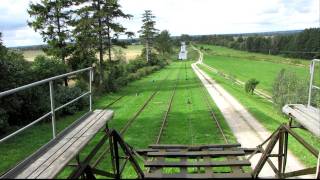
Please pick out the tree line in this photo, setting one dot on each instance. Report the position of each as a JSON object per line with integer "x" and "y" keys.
{"x": 305, "y": 44}
{"x": 78, "y": 34}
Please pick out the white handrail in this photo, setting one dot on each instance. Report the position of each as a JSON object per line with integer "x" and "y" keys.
{"x": 311, "y": 86}
{"x": 53, "y": 109}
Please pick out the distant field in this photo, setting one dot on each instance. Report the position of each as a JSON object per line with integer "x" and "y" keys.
{"x": 244, "y": 65}
{"x": 130, "y": 53}
{"x": 29, "y": 55}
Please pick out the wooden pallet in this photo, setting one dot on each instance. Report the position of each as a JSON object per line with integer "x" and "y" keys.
{"x": 48, "y": 161}
{"x": 204, "y": 161}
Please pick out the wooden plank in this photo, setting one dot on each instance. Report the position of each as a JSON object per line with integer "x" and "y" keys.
{"x": 55, "y": 159}
{"x": 197, "y": 176}
{"x": 145, "y": 151}
{"x": 308, "y": 117}
{"x": 68, "y": 151}
{"x": 197, "y": 164}
{"x": 56, "y": 162}
{"x": 63, "y": 142}
{"x": 178, "y": 146}
{"x": 196, "y": 153}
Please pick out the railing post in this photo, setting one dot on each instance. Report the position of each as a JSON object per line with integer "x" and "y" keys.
{"x": 311, "y": 82}
{"x": 90, "y": 88}
{"x": 53, "y": 114}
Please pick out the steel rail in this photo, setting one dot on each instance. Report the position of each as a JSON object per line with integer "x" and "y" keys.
{"x": 164, "y": 120}
{"x": 210, "y": 109}
{"x": 131, "y": 120}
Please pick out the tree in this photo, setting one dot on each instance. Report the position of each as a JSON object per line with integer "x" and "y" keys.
{"x": 163, "y": 42}
{"x": 250, "y": 85}
{"x": 148, "y": 32}
{"x": 51, "y": 18}
{"x": 186, "y": 38}
{"x": 101, "y": 16}
{"x": 84, "y": 53}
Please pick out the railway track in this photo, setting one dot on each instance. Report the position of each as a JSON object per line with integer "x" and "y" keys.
{"x": 212, "y": 114}
{"x": 132, "y": 119}
{"x": 113, "y": 102}
{"x": 165, "y": 117}
{"x": 240, "y": 115}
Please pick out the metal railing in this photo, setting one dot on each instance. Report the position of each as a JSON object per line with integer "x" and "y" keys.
{"x": 52, "y": 103}
{"x": 311, "y": 86}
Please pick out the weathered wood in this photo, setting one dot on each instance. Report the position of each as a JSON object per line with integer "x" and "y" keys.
{"x": 197, "y": 176}
{"x": 196, "y": 153}
{"x": 309, "y": 117}
{"x": 197, "y": 164}
{"x": 179, "y": 146}
{"x": 52, "y": 161}
{"x": 145, "y": 151}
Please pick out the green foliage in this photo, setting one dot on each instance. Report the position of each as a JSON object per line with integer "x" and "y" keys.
{"x": 4, "y": 125}
{"x": 288, "y": 89}
{"x": 148, "y": 32}
{"x": 65, "y": 94}
{"x": 52, "y": 18}
{"x": 45, "y": 67}
{"x": 301, "y": 45}
{"x": 186, "y": 38}
{"x": 251, "y": 85}
{"x": 163, "y": 43}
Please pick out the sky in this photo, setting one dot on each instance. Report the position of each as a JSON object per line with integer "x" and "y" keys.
{"x": 193, "y": 17}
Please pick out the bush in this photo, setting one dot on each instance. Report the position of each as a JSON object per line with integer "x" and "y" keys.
{"x": 288, "y": 89}
{"x": 44, "y": 67}
{"x": 3, "y": 122}
{"x": 250, "y": 85}
{"x": 65, "y": 94}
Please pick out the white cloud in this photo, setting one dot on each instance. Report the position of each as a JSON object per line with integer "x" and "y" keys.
{"x": 185, "y": 17}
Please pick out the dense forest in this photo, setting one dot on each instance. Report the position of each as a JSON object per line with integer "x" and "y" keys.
{"x": 305, "y": 44}
{"x": 77, "y": 34}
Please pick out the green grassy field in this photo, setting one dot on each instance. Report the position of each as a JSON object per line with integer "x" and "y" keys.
{"x": 189, "y": 121}
{"x": 241, "y": 66}
{"x": 131, "y": 52}
{"x": 265, "y": 71}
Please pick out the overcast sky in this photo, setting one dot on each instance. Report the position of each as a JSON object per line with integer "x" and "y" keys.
{"x": 183, "y": 17}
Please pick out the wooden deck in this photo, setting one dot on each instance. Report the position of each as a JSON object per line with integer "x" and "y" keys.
{"x": 47, "y": 162}
{"x": 308, "y": 117}
{"x": 204, "y": 159}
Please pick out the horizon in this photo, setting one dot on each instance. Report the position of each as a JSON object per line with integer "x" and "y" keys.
{"x": 202, "y": 17}
{"x": 245, "y": 33}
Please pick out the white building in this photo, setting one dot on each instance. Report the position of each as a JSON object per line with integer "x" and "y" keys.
{"x": 183, "y": 51}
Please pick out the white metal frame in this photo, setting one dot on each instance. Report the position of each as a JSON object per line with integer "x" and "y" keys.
{"x": 53, "y": 108}
{"x": 311, "y": 86}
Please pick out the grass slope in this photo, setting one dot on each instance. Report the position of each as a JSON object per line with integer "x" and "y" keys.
{"x": 269, "y": 116}
{"x": 244, "y": 68}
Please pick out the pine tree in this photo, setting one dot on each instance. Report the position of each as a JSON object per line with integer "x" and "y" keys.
{"x": 148, "y": 32}
{"x": 84, "y": 53}
{"x": 51, "y": 18}
{"x": 102, "y": 16}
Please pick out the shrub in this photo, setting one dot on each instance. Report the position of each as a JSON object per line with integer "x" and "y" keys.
{"x": 65, "y": 94}
{"x": 3, "y": 122}
{"x": 44, "y": 67}
{"x": 288, "y": 89}
{"x": 250, "y": 85}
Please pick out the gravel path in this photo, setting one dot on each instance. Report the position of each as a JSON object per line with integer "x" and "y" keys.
{"x": 248, "y": 131}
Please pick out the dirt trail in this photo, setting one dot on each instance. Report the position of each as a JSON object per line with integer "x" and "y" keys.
{"x": 248, "y": 131}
